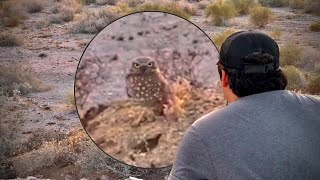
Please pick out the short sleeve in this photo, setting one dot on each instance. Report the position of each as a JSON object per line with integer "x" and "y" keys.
{"x": 192, "y": 160}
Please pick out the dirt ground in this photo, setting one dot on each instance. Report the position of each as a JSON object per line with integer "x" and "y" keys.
{"x": 51, "y": 110}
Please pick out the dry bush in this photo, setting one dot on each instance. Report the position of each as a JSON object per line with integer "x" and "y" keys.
{"x": 218, "y": 39}
{"x": 33, "y": 6}
{"x": 290, "y": 54}
{"x": 169, "y": 7}
{"x": 71, "y": 99}
{"x": 312, "y": 7}
{"x": 9, "y": 40}
{"x": 73, "y": 5}
{"x": 260, "y": 16}
{"x": 243, "y": 6}
{"x": 309, "y": 60}
{"x": 109, "y": 2}
{"x": 134, "y": 3}
{"x": 189, "y": 7}
{"x": 296, "y": 80}
{"x": 296, "y": 4}
{"x": 12, "y": 13}
{"x": 276, "y": 34}
{"x": 86, "y": 1}
{"x": 20, "y": 77}
{"x": 95, "y": 22}
{"x": 220, "y": 12}
{"x": 314, "y": 84}
{"x": 202, "y": 5}
{"x": 315, "y": 27}
{"x": 274, "y": 3}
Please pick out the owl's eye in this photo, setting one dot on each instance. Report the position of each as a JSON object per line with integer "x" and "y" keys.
{"x": 150, "y": 64}
{"x": 136, "y": 65}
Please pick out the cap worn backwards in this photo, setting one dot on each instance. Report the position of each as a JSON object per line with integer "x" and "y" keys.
{"x": 240, "y": 47}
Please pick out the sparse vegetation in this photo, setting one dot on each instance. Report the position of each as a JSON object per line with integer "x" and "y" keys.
{"x": 71, "y": 99}
{"x": 296, "y": 80}
{"x": 221, "y": 37}
{"x": 314, "y": 84}
{"x": 290, "y": 54}
{"x": 9, "y": 40}
{"x": 274, "y": 3}
{"x": 296, "y": 4}
{"x": 276, "y": 34}
{"x": 315, "y": 27}
{"x": 243, "y": 6}
{"x": 12, "y": 13}
{"x": 309, "y": 60}
{"x": 260, "y": 16}
{"x": 220, "y": 12}
{"x": 95, "y": 22}
{"x": 170, "y": 7}
{"x": 20, "y": 77}
{"x": 312, "y": 7}
{"x": 33, "y": 6}
{"x": 104, "y": 2}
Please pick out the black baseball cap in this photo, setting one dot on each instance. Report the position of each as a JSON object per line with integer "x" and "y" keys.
{"x": 237, "y": 47}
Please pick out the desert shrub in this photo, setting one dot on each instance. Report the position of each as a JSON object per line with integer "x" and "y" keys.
{"x": 66, "y": 14}
{"x": 86, "y": 1}
{"x": 296, "y": 80}
{"x": 309, "y": 60}
{"x": 296, "y": 4}
{"x": 134, "y": 3}
{"x": 170, "y": 7}
{"x": 243, "y": 6}
{"x": 189, "y": 8}
{"x": 314, "y": 84}
{"x": 276, "y": 34}
{"x": 290, "y": 54}
{"x": 72, "y": 5}
{"x": 12, "y": 13}
{"x": 312, "y": 7}
{"x": 315, "y": 27}
{"x": 20, "y": 77}
{"x": 274, "y": 3}
{"x": 33, "y": 6}
{"x": 220, "y": 12}
{"x": 9, "y": 40}
{"x": 260, "y": 16}
{"x": 202, "y": 5}
{"x": 95, "y": 22}
{"x": 104, "y": 2}
{"x": 221, "y": 37}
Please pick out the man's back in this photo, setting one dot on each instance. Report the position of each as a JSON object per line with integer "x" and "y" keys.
{"x": 272, "y": 135}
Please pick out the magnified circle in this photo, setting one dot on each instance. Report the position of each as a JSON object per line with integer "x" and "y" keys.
{"x": 141, "y": 82}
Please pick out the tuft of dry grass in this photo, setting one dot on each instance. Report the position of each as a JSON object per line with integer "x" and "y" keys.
{"x": 169, "y": 7}
{"x": 309, "y": 60}
{"x": 276, "y": 34}
{"x": 260, "y": 16}
{"x": 218, "y": 39}
{"x": 314, "y": 84}
{"x": 71, "y": 99}
{"x": 33, "y": 6}
{"x": 15, "y": 76}
{"x": 220, "y": 12}
{"x": 9, "y": 40}
{"x": 315, "y": 27}
{"x": 12, "y": 13}
{"x": 243, "y": 6}
{"x": 290, "y": 54}
{"x": 296, "y": 80}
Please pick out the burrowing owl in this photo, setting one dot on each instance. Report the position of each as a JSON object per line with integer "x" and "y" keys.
{"x": 145, "y": 83}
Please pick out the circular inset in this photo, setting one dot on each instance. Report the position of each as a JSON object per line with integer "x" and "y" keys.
{"x": 141, "y": 82}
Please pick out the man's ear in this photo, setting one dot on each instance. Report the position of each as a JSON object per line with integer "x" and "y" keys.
{"x": 224, "y": 79}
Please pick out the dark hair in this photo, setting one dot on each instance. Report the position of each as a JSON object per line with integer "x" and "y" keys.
{"x": 243, "y": 84}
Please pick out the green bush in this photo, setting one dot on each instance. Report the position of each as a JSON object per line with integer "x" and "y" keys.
{"x": 260, "y": 16}
{"x": 315, "y": 27}
{"x": 171, "y": 7}
{"x": 290, "y": 54}
{"x": 274, "y": 3}
{"x": 218, "y": 39}
{"x": 220, "y": 12}
{"x": 314, "y": 84}
{"x": 243, "y": 6}
{"x": 296, "y": 80}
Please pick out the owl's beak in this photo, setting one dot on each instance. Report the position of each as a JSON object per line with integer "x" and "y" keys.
{"x": 143, "y": 68}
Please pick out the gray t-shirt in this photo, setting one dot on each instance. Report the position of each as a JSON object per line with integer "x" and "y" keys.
{"x": 273, "y": 135}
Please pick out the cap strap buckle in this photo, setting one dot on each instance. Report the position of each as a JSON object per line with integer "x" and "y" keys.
{"x": 257, "y": 68}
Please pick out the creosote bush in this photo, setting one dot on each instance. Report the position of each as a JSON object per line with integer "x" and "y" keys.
{"x": 260, "y": 16}
{"x": 290, "y": 54}
{"x": 220, "y": 12}
{"x": 218, "y": 39}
